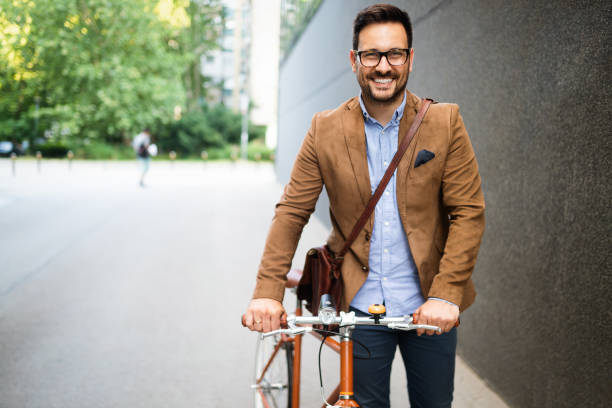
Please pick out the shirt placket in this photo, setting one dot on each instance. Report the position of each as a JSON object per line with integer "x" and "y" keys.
{"x": 387, "y": 214}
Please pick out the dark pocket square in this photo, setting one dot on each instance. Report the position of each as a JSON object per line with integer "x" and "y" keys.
{"x": 423, "y": 157}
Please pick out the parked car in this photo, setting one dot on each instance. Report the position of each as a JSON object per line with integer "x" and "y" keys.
{"x": 6, "y": 148}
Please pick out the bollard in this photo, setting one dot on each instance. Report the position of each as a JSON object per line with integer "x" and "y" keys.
{"x": 13, "y": 163}
{"x": 70, "y": 156}
{"x": 38, "y": 159}
{"x": 172, "y": 156}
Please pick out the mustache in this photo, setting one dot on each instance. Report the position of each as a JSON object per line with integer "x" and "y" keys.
{"x": 389, "y": 75}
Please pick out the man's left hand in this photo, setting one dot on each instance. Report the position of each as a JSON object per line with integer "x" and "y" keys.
{"x": 436, "y": 313}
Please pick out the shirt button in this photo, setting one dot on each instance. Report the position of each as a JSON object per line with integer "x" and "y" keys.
{"x": 386, "y": 193}
{"x": 386, "y": 251}
{"x": 387, "y": 223}
{"x": 386, "y": 164}
{"x": 385, "y": 278}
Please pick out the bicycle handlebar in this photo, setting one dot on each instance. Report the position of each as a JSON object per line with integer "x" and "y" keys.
{"x": 348, "y": 319}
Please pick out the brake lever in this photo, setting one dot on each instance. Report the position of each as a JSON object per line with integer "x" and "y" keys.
{"x": 293, "y": 331}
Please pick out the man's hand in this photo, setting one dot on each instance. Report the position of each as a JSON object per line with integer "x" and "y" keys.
{"x": 436, "y": 313}
{"x": 264, "y": 315}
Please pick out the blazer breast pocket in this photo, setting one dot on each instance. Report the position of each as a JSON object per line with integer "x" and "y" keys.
{"x": 425, "y": 165}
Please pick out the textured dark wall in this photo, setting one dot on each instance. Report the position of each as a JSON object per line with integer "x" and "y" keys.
{"x": 533, "y": 80}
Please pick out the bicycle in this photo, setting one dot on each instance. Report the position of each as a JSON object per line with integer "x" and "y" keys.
{"x": 278, "y": 352}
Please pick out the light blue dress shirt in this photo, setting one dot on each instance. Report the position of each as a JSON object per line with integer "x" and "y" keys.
{"x": 393, "y": 277}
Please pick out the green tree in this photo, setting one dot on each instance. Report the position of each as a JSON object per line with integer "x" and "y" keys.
{"x": 101, "y": 69}
{"x": 205, "y": 25}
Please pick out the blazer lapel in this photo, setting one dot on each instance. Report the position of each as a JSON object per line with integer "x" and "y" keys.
{"x": 413, "y": 104}
{"x": 354, "y": 136}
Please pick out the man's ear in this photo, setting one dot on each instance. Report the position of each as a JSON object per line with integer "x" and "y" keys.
{"x": 411, "y": 59}
{"x": 353, "y": 59}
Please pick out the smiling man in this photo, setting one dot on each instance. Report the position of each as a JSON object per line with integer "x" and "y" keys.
{"x": 417, "y": 253}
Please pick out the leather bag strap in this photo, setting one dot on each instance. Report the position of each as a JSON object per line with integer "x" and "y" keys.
{"x": 385, "y": 180}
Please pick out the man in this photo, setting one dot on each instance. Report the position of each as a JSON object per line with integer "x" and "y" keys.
{"x": 418, "y": 251}
{"x": 141, "y": 145}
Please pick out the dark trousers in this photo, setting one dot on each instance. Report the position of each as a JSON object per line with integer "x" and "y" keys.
{"x": 429, "y": 363}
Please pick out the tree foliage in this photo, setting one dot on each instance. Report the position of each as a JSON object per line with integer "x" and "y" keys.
{"x": 99, "y": 69}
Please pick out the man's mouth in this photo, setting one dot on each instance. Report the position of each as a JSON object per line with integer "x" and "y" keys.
{"x": 383, "y": 83}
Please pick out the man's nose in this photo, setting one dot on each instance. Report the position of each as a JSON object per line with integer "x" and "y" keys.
{"x": 383, "y": 66}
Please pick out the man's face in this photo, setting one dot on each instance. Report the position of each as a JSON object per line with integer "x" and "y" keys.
{"x": 384, "y": 83}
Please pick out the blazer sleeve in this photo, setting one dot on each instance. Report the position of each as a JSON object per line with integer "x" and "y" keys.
{"x": 463, "y": 200}
{"x": 291, "y": 214}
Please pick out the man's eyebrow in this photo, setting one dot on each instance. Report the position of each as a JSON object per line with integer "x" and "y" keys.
{"x": 377, "y": 50}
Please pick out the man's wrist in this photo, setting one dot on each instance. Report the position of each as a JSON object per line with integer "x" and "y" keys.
{"x": 443, "y": 300}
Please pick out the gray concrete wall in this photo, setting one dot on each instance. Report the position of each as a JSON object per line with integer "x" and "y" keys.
{"x": 533, "y": 80}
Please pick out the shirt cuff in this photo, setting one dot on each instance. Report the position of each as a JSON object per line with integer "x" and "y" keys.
{"x": 442, "y": 300}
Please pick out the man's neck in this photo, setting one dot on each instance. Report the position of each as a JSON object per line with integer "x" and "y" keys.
{"x": 382, "y": 111}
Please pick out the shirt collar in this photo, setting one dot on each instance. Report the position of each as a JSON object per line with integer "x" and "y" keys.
{"x": 397, "y": 115}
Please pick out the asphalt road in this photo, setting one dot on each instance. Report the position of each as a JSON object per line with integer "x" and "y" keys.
{"x": 113, "y": 295}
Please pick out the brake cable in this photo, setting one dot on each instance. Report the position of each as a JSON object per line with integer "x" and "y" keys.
{"x": 325, "y": 334}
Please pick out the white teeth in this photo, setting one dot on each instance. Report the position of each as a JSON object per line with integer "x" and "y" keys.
{"x": 382, "y": 81}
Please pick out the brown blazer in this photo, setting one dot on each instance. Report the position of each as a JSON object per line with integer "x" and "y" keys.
{"x": 440, "y": 202}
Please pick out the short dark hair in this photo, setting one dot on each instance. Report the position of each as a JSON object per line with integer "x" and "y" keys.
{"x": 381, "y": 13}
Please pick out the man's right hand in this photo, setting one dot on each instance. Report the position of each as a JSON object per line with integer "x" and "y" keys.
{"x": 264, "y": 315}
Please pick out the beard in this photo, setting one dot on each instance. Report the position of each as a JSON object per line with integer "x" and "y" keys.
{"x": 370, "y": 94}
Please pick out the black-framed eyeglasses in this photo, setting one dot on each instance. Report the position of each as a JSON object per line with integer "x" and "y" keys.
{"x": 371, "y": 58}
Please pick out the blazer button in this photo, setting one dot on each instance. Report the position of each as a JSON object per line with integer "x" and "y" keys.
{"x": 364, "y": 268}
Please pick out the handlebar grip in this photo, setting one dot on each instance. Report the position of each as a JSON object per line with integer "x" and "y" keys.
{"x": 457, "y": 323}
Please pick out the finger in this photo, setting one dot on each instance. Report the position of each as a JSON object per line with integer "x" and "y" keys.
{"x": 243, "y": 320}
{"x": 248, "y": 320}
{"x": 276, "y": 321}
{"x": 428, "y": 321}
{"x": 257, "y": 322}
{"x": 416, "y": 320}
{"x": 449, "y": 326}
{"x": 267, "y": 323}
{"x": 283, "y": 319}
{"x": 439, "y": 323}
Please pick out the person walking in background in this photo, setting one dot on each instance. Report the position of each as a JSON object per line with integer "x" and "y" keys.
{"x": 417, "y": 254}
{"x": 142, "y": 145}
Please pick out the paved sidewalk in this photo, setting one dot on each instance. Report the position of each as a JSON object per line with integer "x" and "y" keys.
{"x": 112, "y": 295}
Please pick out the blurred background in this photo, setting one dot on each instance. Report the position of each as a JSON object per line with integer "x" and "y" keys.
{"x": 112, "y": 295}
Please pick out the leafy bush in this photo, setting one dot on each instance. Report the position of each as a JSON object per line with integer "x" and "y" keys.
{"x": 53, "y": 149}
{"x": 211, "y": 129}
{"x": 104, "y": 151}
{"x": 223, "y": 153}
{"x": 257, "y": 150}
{"x": 224, "y": 121}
